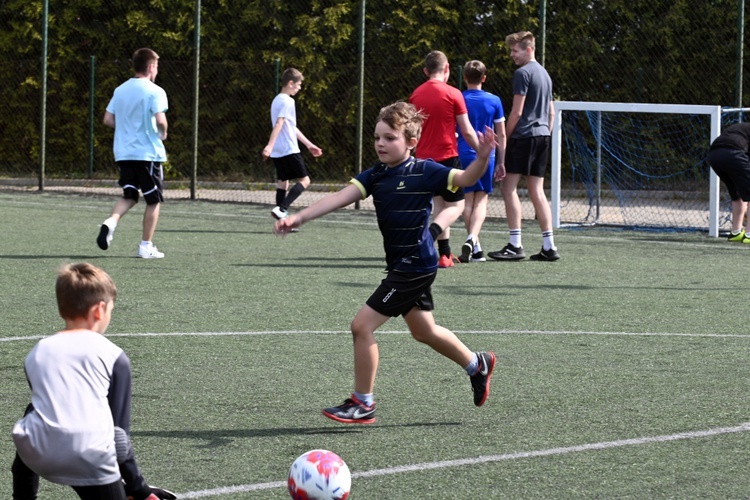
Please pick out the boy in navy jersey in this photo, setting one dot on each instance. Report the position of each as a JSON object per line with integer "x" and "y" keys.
{"x": 76, "y": 429}
{"x": 402, "y": 189}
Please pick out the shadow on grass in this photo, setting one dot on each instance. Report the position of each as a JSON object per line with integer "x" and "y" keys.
{"x": 224, "y": 437}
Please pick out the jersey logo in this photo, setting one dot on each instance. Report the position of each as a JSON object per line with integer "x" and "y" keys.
{"x": 401, "y": 185}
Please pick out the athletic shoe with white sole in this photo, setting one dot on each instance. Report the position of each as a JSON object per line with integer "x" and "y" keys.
{"x": 466, "y": 250}
{"x": 480, "y": 381}
{"x": 104, "y": 240}
{"x": 478, "y": 257}
{"x": 351, "y": 411}
{"x": 149, "y": 252}
{"x": 279, "y": 213}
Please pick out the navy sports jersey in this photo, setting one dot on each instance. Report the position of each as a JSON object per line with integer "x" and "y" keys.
{"x": 403, "y": 205}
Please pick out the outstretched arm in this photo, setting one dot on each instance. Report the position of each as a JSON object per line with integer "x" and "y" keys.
{"x": 475, "y": 170}
{"x": 346, "y": 196}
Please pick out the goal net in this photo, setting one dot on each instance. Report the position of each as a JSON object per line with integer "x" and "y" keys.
{"x": 635, "y": 165}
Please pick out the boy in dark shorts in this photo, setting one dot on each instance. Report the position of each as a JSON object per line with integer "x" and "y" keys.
{"x": 137, "y": 112}
{"x": 283, "y": 145}
{"x": 528, "y": 129}
{"x": 402, "y": 189}
{"x": 728, "y": 157}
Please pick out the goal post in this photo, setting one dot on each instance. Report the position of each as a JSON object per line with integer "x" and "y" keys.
{"x": 645, "y": 138}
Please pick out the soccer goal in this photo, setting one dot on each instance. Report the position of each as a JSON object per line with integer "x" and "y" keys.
{"x": 635, "y": 165}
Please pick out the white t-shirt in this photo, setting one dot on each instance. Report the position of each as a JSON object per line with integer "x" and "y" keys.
{"x": 69, "y": 436}
{"x": 134, "y": 104}
{"x": 286, "y": 142}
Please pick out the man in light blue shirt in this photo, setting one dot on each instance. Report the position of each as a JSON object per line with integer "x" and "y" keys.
{"x": 137, "y": 113}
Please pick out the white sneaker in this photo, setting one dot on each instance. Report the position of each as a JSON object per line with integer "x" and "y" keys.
{"x": 106, "y": 233}
{"x": 149, "y": 252}
{"x": 279, "y": 213}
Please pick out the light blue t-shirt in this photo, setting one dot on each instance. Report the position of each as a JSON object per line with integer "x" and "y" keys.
{"x": 134, "y": 105}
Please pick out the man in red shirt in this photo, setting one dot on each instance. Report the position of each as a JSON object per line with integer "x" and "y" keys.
{"x": 444, "y": 107}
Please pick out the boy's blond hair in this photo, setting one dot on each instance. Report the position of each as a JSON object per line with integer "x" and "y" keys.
{"x": 474, "y": 71}
{"x": 403, "y": 116}
{"x": 81, "y": 286}
{"x": 435, "y": 61}
{"x": 142, "y": 58}
{"x": 291, "y": 75}
{"x": 523, "y": 38}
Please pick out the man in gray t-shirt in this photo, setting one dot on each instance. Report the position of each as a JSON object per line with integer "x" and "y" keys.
{"x": 528, "y": 128}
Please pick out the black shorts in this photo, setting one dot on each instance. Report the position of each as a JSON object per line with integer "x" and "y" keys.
{"x": 147, "y": 176}
{"x": 733, "y": 168}
{"x": 445, "y": 193}
{"x": 528, "y": 156}
{"x": 400, "y": 292}
{"x": 290, "y": 167}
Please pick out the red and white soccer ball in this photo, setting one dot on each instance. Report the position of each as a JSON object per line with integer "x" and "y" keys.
{"x": 319, "y": 475}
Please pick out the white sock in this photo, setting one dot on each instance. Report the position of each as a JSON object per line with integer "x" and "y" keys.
{"x": 145, "y": 243}
{"x": 515, "y": 237}
{"x": 548, "y": 241}
{"x": 111, "y": 223}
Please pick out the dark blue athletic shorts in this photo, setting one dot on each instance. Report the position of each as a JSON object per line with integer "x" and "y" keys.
{"x": 400, "y": 292}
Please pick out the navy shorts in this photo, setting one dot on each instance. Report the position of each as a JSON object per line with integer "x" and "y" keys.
{"x": 445, "y": 193}
{"x": 733, "y": 168}
{"x": 528, "y": 156}
{"x": 146, "y": 176}
{"x": 400, "y": 292}
{"x": 290, "y": 167}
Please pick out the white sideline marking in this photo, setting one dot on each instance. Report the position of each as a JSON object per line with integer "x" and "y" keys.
{"x": 398, "y": 332}
{"x": 744, "y": 427}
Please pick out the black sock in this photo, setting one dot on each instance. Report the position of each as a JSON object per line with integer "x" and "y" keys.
{"x": 280, "y": 195}
{"x": 435, "y": 230}
{"x": 444, "y": 247}
{"x": 294, "y": 193}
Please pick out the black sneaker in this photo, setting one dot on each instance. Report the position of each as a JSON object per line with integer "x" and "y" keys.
{"x": 104, "y": 240}
{"x": 478, "y": 257}
{"x": 352, "y": 411}
{"x": 480, "y": 382}
{"x": 466, "y": 250}
{"x": 509, "y": 252}
{"x": 548, "y": 255}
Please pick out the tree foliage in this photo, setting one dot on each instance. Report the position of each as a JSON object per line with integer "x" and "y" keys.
{"x": 668, "y": 51}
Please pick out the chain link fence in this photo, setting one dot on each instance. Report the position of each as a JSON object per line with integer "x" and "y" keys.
{"x": 649, "y": 51}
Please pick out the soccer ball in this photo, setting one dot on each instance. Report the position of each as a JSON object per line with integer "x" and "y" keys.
{"x": 319, "y": 475}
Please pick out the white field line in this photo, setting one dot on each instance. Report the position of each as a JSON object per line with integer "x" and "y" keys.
{"x": 359, "y": 222}
{"x": 744, "y": 427}
{"x": 399, "y": 332}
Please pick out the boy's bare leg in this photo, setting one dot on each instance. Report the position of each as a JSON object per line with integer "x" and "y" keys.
{"x": 424, "y": 329}
{"x": 366, "y": 354}
{"x": 150, "y": 218}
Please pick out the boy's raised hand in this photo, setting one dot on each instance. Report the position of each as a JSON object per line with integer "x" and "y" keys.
{"x": 487, "y": 142}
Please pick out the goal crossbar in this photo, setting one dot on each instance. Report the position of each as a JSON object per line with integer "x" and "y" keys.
{"x": 562, "y": 106}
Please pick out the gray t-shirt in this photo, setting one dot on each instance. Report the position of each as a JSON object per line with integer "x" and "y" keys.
{"x": 533, "y": 81}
